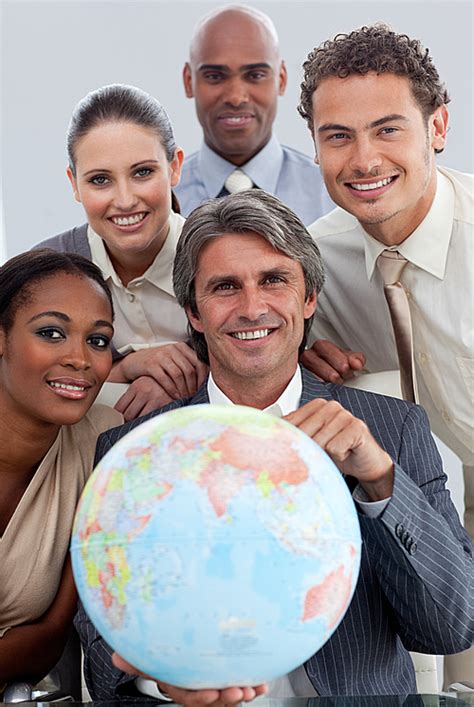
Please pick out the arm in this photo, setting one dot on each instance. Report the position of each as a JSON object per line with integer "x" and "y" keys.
{"x": 421, "y": 554}
{"x": 104, "y": 681}
{"x": 425, "y": 567}
{"x": 158, "y": 375}
{"x": 29, "y": 651}
{"x": 331, "y": 363}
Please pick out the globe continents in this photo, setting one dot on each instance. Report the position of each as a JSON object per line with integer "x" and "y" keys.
{"x": 216, "y": 546}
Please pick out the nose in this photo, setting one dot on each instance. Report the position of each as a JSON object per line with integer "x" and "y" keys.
{"x": 76, "y": 355}
{"x": 252, "y": 304}
{"x": 236, "y": 92}
{"x": 124, "y": 196}
{"x": 365, "y": 159}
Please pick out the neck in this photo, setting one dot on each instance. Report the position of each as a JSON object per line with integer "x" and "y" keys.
{"x": 237, "y": 159}
{"x": 257, "y": 393}
{"x": 27, "y": 442}
{"x": 129, "y": 266}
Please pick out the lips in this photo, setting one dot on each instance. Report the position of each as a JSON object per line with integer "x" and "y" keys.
{"x": 235, "y": 120}
{"x": 370, "y": 189}
{"x": 70, "y": 388}
{"x": 129, "y": 221}
{"x": 251, "y": 335}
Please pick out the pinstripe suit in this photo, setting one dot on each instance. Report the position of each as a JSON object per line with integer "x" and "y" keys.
{"x": 416, "y": 584}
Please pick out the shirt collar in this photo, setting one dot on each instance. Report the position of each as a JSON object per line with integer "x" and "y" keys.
{"x": 160, "y": 272}
{"x": 263, "y": 169}
{"x": 428, "y": 245}
{"x": 286, "y": 403}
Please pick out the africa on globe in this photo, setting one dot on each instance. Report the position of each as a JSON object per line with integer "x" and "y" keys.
{"x": 216, "y": 546}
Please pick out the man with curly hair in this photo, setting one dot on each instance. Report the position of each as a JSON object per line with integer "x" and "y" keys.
{"x": 376, "y": 108}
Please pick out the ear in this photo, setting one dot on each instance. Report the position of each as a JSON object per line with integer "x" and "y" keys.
{"x": 73, "y": 181}
{"x": 176, "y": 165}
{"x": 316, "y": 156}
{"x": 194, "y": 319}
{"x": 438, "y": 126}
{"x": 3, "y": 337}
{"x": 188, "y": 81}
{"x": 310, "y": 305}
{"x": 282, "y": 79}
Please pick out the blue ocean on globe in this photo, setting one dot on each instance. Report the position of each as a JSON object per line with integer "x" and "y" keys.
{"x": 216, "y": 546}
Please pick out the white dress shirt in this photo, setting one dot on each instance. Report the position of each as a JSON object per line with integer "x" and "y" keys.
{"x": 146, "y": 311}
{"x": 353, "y": 312}
{"x": 288, "y": 174}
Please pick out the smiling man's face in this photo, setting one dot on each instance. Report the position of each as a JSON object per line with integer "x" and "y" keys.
{"x": 235, "y": 76}
{"x": 251, "y": 306}
{"x": 376, "y": 151}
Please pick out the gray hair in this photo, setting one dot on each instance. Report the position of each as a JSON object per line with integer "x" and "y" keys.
{"x": 250, "y": 211}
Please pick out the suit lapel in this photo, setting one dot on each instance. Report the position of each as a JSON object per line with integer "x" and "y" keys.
{"x": 201, "y": 396}
{"x": 313, "y": 388}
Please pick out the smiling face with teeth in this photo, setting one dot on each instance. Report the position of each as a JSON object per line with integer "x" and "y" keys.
{"x": 235, "y": 76}
{"x": 251, "y": 307}
{"x": 124, "y": 180}
{"x": 376, "y": 151}
{"x": 56, "y": 355}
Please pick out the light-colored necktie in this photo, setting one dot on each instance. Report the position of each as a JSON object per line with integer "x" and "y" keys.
{"x": 390, "y": 265}
{"x": 237, "y": 181}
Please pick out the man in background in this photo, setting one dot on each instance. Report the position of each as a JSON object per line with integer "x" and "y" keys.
{"x": 235, "y": 75}
{"x": 399, "y": 251}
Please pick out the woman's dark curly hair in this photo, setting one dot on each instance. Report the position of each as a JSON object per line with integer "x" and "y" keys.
{"x": 376, "y": 48}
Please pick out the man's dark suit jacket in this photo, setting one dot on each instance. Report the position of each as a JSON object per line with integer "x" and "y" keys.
{"x": 416, "y": 586}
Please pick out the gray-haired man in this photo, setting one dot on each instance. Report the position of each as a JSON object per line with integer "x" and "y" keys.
{"x": 247, "y": 273}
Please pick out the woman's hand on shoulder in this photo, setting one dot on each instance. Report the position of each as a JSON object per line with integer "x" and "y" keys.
{"x": 142, "y": 396}
{"x": 175, "y": 367}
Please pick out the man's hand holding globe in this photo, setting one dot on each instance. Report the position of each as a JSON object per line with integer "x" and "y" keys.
{"x": 197, "y": 698}
{"x": 349, "y": 443}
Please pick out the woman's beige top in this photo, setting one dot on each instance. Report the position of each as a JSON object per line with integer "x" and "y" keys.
{"x": 147, "y": 313}
{"x": 36, "y": 541}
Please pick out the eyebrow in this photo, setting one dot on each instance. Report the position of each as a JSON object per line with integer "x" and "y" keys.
{"x": 244, "y": 67}
{"x": 216, "y": 279}
{"x": 65, "y": 318}
{"x": 132, "y": 166}
{"x": 374, "y": 124}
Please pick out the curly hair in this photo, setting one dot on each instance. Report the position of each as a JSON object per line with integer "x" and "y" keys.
{"x": 376, "y": 48}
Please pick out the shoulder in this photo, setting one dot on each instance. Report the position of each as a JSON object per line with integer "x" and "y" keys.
{"x": 463, "y": 186}
{"x": 190, "y": 167}
{"x": 102, "y": 417}
{"x": 73, "y": 240}
{"x": 301, "y": 163}
{"x": 336, "y": 222}
{"x": 191, "y": 159}
{"x": 112, "y": 436}
{"x": 98, "y": 419}
{"x": 392, "y": 421}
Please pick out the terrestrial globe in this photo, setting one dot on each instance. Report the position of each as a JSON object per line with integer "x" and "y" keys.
{"x": 216, "y": 546}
